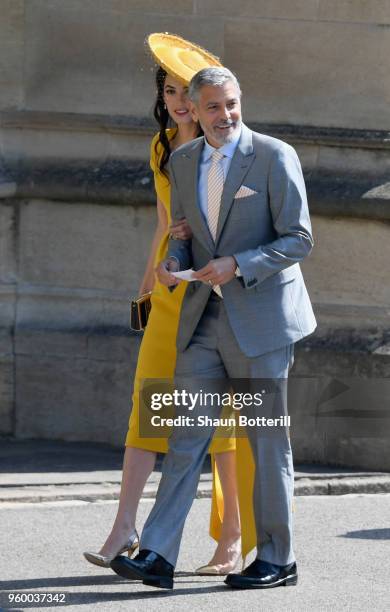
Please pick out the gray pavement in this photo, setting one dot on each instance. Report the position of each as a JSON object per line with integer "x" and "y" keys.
{"x": 58, "y": 499}
{"x": 342, "y": 547}
{"x": 44, "y": 470}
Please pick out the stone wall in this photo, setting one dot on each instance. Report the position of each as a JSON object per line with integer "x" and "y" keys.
{"x": 77, "y": 207}
{"x": 304, "y": 62}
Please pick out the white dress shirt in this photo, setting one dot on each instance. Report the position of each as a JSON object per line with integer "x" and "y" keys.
{"x": 228, "y": 151}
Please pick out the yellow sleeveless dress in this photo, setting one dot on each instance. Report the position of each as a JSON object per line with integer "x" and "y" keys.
{"x": 157, "y": 359}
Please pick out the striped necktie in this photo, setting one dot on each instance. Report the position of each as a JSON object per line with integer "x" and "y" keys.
{"x": 214, "y": 191}
{"x": 214, "y": 194}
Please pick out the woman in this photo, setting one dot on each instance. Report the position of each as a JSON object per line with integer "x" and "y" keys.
{"x": 157, "y": 359}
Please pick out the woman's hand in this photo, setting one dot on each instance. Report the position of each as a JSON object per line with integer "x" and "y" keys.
{"x": 142, "y": 291}
{"x": 180, "y": 230}
{"x": 147, "y": 286}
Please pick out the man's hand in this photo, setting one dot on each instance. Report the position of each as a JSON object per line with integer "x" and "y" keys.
{"x": 180, "y": 230}
{"x": 163, "y": 272}
{"x": 218, "y": 271}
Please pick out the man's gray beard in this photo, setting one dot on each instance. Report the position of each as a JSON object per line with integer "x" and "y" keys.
{"x": 229, "y": 137}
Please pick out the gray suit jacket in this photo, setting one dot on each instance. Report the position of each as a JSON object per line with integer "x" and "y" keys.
{"x": 268, "y": 233}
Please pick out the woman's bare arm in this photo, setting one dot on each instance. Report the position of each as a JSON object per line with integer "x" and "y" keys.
{"x": 148, "y": 280}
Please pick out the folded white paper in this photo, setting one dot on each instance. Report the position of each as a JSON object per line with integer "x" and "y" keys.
{"x": 186, "y": 275}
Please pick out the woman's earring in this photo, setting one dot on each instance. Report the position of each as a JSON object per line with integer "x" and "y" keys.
{"x": 165, "y": 107}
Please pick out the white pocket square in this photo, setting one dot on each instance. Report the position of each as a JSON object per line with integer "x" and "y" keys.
{"x": 244, "y": 192}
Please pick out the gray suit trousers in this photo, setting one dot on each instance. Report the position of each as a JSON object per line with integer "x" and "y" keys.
{"x": 214, "y": 363}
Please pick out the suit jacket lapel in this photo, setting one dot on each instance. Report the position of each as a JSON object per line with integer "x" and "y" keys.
{"x": 240, "y": 164}
{"x": 191, "y": 202}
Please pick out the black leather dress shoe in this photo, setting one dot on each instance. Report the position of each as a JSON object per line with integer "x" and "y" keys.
{"x": 147, "y": 566}
{"x": 263, "y": 575}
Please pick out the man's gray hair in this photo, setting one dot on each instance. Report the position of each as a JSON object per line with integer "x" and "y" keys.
{"x": 215, "y": 76}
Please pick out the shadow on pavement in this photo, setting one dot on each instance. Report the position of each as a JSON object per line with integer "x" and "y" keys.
{"x": 88, "y": 597}
{"x": 66, "y": 581}
{"x": 41, "y": 456}
{"x": 368, "y": 534}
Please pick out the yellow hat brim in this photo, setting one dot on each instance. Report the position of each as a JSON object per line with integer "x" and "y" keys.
{"x": 180, "y": 58}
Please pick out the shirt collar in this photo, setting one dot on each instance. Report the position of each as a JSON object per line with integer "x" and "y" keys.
{"x": 227, "y": 149}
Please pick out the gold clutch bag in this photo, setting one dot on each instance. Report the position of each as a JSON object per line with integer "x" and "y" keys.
{"x": 139, "y": 311}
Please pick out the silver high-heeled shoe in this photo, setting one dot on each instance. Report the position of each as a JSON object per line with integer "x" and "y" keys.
{"x": 220, "y": 569}
{"x": 130, "y": 546}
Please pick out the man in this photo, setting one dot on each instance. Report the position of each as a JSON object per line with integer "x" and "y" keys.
{"x": 244, "y": 197}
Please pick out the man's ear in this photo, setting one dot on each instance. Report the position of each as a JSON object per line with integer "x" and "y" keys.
{"x": 194, "y": 112}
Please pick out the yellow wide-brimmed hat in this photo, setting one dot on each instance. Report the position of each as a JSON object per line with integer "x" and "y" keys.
{"x": 179, "y": 57}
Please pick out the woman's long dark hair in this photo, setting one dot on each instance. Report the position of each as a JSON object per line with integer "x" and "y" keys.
{"x": 162, "y": 117}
